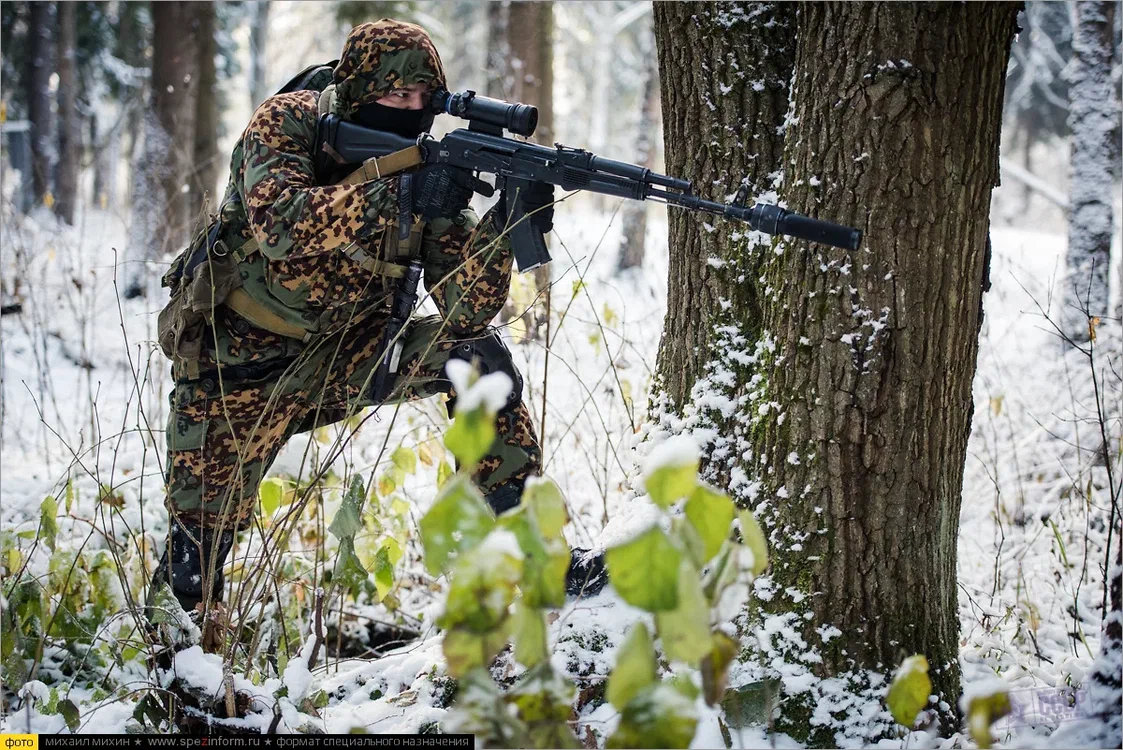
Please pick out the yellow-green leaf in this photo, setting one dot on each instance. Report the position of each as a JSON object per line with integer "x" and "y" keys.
{"x": 383, "y": 573}
{"x": 659, "y": 716}
{"x": 710, "y": 511}
{"x": 471, "y": 436}
{"x": 685, "y": 630}
{"x": 644, "y": 571}
{"x": 458, "y": 521}
{"x": 635, "y": 668}
{"x": 272, "y": 493}
{"x": 755, "y": 541}
{"x": 444, "y": 473}
{"x": 531, "y": 645}
{"x": 715, "y": 667}
{"x": 464, "y": 651}
{"x": 48, "y": 521}
{"x": 983, "y": 710}
{"x": 405, "y": 459}
{"x": 546, "y": 502}
{"x": 909, "y": 690}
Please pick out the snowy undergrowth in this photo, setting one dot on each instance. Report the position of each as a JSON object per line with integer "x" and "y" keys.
{"x": 84, "y": 403}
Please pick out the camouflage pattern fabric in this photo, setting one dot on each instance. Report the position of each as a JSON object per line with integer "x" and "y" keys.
{"x": 258, "y": 388}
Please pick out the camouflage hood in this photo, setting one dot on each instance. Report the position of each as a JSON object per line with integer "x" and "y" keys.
{"x": 380, "y": 57}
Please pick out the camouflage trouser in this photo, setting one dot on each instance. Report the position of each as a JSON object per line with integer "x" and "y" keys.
{"x": 223, "y": 436}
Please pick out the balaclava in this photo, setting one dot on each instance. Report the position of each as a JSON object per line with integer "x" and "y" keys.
{"x": 378, "y": 58}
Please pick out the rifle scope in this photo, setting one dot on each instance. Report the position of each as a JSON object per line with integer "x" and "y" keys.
{"x": 520, "y": 119}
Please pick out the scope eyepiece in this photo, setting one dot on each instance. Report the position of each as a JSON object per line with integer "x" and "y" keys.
{"x": 520, "y": 119}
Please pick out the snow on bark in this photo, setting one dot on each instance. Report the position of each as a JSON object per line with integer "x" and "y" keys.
{"x": 1094, "y": 118}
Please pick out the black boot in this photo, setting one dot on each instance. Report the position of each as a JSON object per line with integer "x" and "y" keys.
{"x": 191, "y": 551}
{"x": 586, "y": 575}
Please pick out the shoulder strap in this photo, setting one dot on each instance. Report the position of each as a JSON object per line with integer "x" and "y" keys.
{"x": 304, "y": 78}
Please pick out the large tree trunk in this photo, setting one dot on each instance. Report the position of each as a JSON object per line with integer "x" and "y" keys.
{"x": 160, "y": 219}
{"x": 865, "y": 392}
{"x": 634, "y": 221}
{"x": 724, "y": 73}
{"x": 69, "y": 124}
{"x": 259, "y": 39}
{"x": 40, "y": 63}
{"x": 530, "y": 38}
{"x": 498, "y": 52}
{"x": 206, "y": 158}
{"x": 1094, "y": 118}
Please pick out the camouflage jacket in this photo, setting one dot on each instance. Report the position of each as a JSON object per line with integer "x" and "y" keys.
{"x": 300, "y": 244}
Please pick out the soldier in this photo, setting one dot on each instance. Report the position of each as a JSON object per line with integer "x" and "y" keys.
{"x": 279, "y": 310}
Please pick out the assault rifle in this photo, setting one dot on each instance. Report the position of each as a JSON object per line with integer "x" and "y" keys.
{"x": 482, "y": 148}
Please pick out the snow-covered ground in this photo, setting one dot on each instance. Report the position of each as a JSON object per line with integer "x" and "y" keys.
{"x": 84, "y": 401}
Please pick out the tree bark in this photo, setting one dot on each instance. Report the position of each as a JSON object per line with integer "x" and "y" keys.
{"x": 69, "y": 124}
{"x": 865, "y": 387}
{"x": 634, "y": 221}
{"x": 40, "y": 63}
{"x": 530, "y": 39}
{"x": 724, "y": 73}
{"x": 498, "y": 52}
{"x": 259, "y": 38}
{"x": 1094, "y": 119}
{"x": 206, "y": 157}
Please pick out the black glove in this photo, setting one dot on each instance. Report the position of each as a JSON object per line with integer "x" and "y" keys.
{"x": 441, "y": 191}
{"x": 538, "y": 202}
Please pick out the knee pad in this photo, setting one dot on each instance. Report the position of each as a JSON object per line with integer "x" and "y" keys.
{"x": 489, "y": 354}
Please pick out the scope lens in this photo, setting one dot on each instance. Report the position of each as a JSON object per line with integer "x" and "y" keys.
{"x": 523, "y": 119}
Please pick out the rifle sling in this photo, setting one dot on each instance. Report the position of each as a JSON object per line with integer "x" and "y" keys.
{"x": 384, "y": 166}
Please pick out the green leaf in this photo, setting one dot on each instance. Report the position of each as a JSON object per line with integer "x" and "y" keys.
{"x": 546, "y": 502}
{"x": 545, "y": 561}
{"x": 465, "y": 651}
{"x": 48, "y": 521}
{"x": 644, "y": 571}
{"x": 715, "y": 667}
{"x": 659, "y": 716}
{"x": 70, "y": 713}
{"x": 69, "y": 496}
{"x": 710, "y": 512}
{"x": 635, "y": 668}
{"x": 531, "y": 644}
{"x": 458, "y": 521}
{"x": 982, "y": 711}
{"x": 383, "y": 573}
{"x": 544, "y": 702}
{"x": 349, "y": 518}
{"x": 755, "y": 541}
{"x": 272, "y": 493}
{"x": 483, "y": 585}
{"x": 672, "y": 479}
{"x": 908, "y": 692}
{"x": 685, "y": 630}
{"x": 470, "y": 436}
{"x": 349, "y": 570}
{"x": 405, "y": 459}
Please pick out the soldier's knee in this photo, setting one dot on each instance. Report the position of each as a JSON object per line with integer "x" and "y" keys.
{"x": 490, "y": 354}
